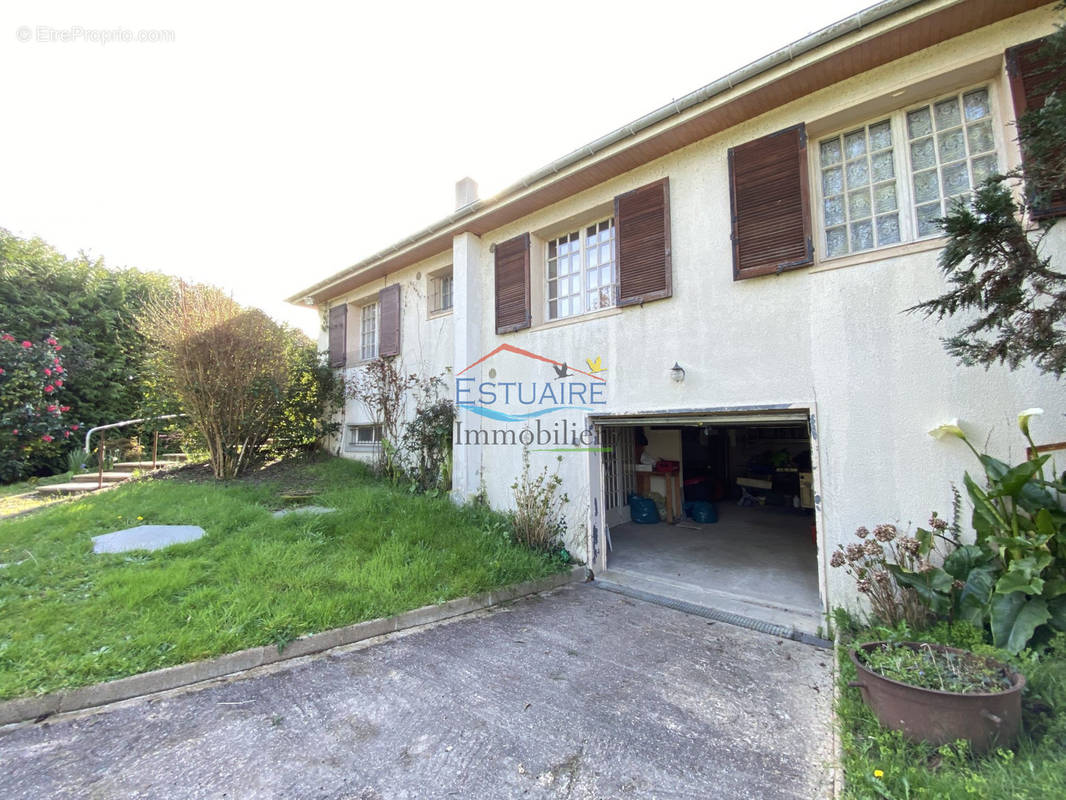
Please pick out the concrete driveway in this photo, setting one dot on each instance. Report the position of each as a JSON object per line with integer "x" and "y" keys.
{"x": 579, "y": 693}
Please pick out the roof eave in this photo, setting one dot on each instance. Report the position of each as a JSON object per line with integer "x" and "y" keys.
{"x": 420, "y": 244}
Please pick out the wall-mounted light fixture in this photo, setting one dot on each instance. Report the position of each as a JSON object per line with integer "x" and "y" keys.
{"x": 677, "y": 372}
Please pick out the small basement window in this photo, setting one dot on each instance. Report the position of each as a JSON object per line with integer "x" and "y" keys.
{"x": 363, "y": 437}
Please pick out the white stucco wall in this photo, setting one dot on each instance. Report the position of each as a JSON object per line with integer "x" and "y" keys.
{"x": 831, "y": 337}
{"x": 426, "y": 342}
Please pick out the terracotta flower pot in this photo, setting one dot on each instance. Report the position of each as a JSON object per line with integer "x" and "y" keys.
{"x": 986, "y": 720}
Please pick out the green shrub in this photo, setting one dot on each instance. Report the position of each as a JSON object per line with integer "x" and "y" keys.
{"x": 34, "y": 422}
{"x": 538, "y": 519}
{"x": 91, "y": 309}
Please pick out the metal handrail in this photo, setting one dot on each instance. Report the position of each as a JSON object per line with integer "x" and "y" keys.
{"x": 124, "y": 423}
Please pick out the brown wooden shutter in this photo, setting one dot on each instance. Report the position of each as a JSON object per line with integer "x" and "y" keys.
{"x": 512, "y": 284}
{"x": 389, "y": 320}
{"x": 1032, "y": 79}
{"x": 338, "y": 335}
{"x": 770, "y": 198}
{"x": 642, "y": 231}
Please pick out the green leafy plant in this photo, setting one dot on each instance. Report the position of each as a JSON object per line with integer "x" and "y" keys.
{"x": 312, "y": 395}
{"x": 1012, "y": 579}
{"x": 538, "y": 519}
{"x": 427, "y": 441}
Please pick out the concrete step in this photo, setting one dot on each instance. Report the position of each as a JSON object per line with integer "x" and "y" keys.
{"x": 174, "y": 457}
{"x": 129, "y": 466}
{"x": 72, "y": 488}
{"x": 805, "y": 620}
{"x": 109, "y": 477}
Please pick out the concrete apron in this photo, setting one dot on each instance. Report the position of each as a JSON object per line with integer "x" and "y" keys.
{"x": 735, "y": 609}
{"x": 183, "y": 675}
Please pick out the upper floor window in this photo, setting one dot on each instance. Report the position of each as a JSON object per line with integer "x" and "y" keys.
{"x": 581, "y": 271}
{"x": 887, "y": 181}
{"x": 440, "y": 292}
{"x": 952, "y": 149}
{"x": 859, "y": 203}
{"x": 368, "y": 331}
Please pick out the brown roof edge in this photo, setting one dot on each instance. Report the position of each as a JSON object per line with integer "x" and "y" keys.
{"x": 436, "y": 238}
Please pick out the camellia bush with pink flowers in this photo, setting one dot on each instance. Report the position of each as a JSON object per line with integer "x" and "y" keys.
{"x": 34, "y": 422}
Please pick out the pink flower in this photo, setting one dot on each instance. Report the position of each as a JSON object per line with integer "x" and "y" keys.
{"x": 52, "y": 407}
{"x": 1, "y": 370}
{"x": 59, "y": 347}
{"x": 73, "y": 427}
{"x": 47, "y": 371}
{"x": 7, "y": 337}
{"x": 59, "y": 383}
{"x": 27, "y": 344}
{"x": 55, "y": 362}
{"x": 46, "y": 438}
{"x": 15, "y": 432}
{"x": 66, "y": 434}
{"x": 49, "y": 389}
{"x": 64, "y": 408}
{"x": 51, "y": 340}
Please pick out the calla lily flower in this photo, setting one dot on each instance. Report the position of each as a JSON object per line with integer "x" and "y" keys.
{"x": 948, "y": 429}
{"x": 1024, "y": 417}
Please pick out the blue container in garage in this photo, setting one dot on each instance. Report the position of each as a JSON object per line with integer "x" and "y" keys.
{"x": 643, "y": 510}
{"x": 701, "y": 511}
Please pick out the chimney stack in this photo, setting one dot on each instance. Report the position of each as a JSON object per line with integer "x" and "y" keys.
{"x": 465, "y": 193}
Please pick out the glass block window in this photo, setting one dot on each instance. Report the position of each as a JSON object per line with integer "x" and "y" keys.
{"x": 860, "y": 209}
{"x": 368, "y": 331}
{"x": 952, "y": 149}
{"x": 581, "y": 271}
{"x": 888, "y": 181}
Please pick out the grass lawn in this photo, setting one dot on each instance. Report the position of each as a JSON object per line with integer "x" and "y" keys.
{"x": 880, "y": 764}
{"x": 70, "y": 618}
{"x": 17, "y": 497}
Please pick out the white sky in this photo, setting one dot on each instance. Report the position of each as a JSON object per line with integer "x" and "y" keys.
{"x": 272, "y": 144}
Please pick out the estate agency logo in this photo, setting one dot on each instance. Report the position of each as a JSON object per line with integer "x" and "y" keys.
{"x": 531, "y": 399}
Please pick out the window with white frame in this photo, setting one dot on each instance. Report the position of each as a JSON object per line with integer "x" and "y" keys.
{"x": 887, "y": 181}
{"x": 440, "y": 292}
{"x": 368, "y": 331}
{"x": 363, "y": 436}
{"x": 582, "y": 271}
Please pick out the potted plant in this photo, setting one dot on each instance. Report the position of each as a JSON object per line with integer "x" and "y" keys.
{"x": 1008, "y": 580}
{"x": 938, "y": 694}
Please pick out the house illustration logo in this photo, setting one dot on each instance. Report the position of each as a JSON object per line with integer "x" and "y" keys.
{"x": 510, "y": 385}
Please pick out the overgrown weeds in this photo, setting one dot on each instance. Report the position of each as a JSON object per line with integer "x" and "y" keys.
{"x": 538, "y": 518}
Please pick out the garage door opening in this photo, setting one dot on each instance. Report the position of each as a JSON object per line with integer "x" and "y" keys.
{"x": 714, "y": 512}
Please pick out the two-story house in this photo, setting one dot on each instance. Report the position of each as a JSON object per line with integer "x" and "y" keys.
{"x": 719, "y": 287}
